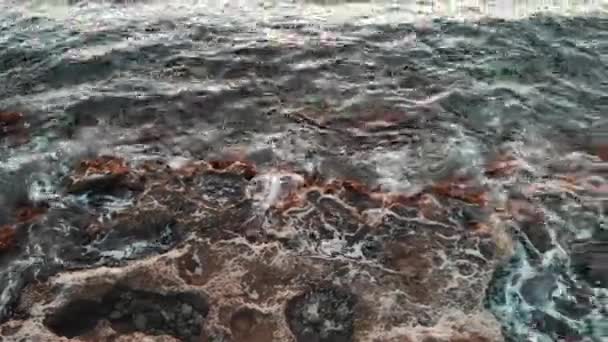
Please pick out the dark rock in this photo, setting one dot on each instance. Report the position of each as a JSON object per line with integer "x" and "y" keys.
{"x": 538, "y": 235}
{"x": 147, "y": 225}
{"x": 14, "y": 189}
{"x": 85, "y": 242}
{"x": 575, "y": 308}
{"x": 322, "y": 315}
{"x": 65, "y": 324}
{"x": 95, "y": 183}
{"x": 590, "y": 260}
{"x": 337, "y": 215}
{"x": 139, "y": 321}
{"x": 201, "y": 33}
{"x": 12, "y": 282}
{"x": 538, "y": 289}
{"x": 340, "y": 167}
{"x": 186, "y": 310}
{"x": 157, "y": 230}
{"x": 222, "y": 189}
{"x": 262, "y": 157}
{"x": 129, "y": 311}
{"x": 249, "y": 325}
{"x": 554, "y": 327}
{"x": 433, "y": 339}
{"x": 578, "y": 300}
{"x": 100, "y": 175}
{"x": 473, "y": 215}
{"x": 199, "y": 303}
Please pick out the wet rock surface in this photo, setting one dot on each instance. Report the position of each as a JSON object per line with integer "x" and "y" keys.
{"x": 322, "y": 315}
{"x": 538, "y": 290}
{"x": 590, "y": 259}
{"x": 180, "y": 315}
{"x": 254, "y": 245}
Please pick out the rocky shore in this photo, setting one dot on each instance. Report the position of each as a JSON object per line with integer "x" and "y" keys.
{"x": 220, "y": 250}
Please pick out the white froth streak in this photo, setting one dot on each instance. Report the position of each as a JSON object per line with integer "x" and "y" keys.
{"x": 270, "y": 188}
{"x": 274, "y": 191}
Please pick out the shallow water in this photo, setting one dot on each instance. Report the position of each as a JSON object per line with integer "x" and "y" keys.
{"x": 394, "y": 97}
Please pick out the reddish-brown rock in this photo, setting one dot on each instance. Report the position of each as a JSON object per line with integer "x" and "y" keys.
{"x": 7, "y": 238}
{"x": 10, "y": 118}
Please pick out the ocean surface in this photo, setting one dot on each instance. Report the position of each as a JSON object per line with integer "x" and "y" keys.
{"x": 395, "y": 95}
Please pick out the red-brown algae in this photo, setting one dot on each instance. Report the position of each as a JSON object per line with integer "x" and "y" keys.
{"x": 103, "y": 165}
{"x": 101, "y": 173}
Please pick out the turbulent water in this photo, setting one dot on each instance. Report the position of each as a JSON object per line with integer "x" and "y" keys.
{"x": 382, "y": 95}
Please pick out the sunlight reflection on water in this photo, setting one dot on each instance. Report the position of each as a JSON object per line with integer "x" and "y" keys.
{"x": 343, "y": 10}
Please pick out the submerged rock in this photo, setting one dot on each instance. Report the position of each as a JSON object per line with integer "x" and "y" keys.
{"x": 129, "y": 310}
{"x": 578, "y": 306}
{"x": 590, "y": 260}
{"x": 538, "y": 289}
{"x": 555, "y": 328}
{"x": 322, "y": 315}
